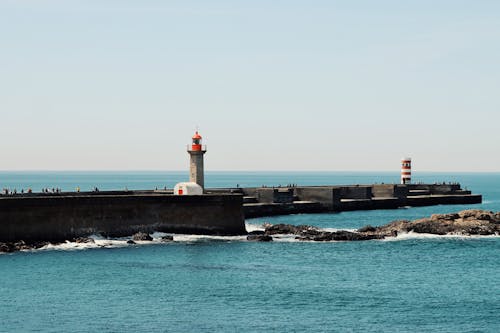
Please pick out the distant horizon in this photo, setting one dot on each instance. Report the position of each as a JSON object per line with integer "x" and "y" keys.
{"x": 414, "y": 172}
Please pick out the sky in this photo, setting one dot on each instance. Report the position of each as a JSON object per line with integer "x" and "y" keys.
{"x": 271, "y": 85}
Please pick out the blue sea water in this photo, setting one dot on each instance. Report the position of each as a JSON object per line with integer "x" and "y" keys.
{"x": 225, "y": 284}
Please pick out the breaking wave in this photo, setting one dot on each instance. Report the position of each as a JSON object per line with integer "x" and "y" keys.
{"x": 414, "y": 235}
{"x": 102, "y": 242}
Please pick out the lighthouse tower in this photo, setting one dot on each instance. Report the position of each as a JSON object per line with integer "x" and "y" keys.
{"x": 406, "y": 170}
{"x": 196, "y": 152}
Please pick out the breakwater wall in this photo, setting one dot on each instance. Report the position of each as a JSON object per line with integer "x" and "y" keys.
{"x": 64, "y": 216}
{"x": 266, "y": 201}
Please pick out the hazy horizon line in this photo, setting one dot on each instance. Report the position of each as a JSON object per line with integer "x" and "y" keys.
{"x": 238, "y": 171}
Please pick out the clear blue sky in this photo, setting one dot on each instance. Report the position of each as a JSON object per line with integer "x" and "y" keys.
{"x": 272, "y": 85}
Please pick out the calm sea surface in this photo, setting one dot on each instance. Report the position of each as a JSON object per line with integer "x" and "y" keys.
{"x": 224, "y": 284}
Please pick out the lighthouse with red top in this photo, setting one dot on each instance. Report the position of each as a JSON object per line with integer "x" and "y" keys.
{"x": 196, "y": 151}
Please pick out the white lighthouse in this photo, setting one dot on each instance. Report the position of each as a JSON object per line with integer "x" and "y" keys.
{"x": 406, "y": 170}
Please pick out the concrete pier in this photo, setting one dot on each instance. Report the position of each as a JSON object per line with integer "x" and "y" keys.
{"x": 63, "y": 216}
{"x": 267, "y": 201}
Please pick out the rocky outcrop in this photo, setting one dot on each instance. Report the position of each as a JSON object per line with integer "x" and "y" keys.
{"x": 259, "y": 238}
{"x": 21, "y": 245}
{"x": 467, "y": 222}
{"x": 256, "y": 232}
{"x": 83, "y": 240}
{"x": 338, "y": 236}
{"x": 288, "y": 229}
{"x": 311, "y": 233}
{"x": 141, "y": 236}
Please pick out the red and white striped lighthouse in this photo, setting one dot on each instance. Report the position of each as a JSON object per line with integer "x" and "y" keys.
{"x": 406, "y": 170}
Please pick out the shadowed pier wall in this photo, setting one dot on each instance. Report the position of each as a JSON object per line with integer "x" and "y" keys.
{"x": 62, "y": 217}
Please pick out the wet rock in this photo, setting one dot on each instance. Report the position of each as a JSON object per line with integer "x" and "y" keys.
{"x": 167, "y": 238}
{"x": 446, "y": 217}
{"x": 289, "y": 229}
{"x": 256, "y": 232}
{"x": 82, "y": 240}
{"x": 142, "y": 236}
{"x": 22, "y": 245}
{"x": 259, "y": 238}
{"x": 467, "y": 222}
{"x": 38, "y": 245}
{"x": 429, "y": 226}
{"x": 354, "y": 236}
{"x": 476, "y": 214}
{"x": 131, "y": 242}
{"x": 339, "y": 236}
{"x": 6, "y": 248}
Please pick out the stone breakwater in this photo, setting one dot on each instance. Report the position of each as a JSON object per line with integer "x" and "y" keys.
{"x": 66, "y": 216}
{"x": 263, "y": 201}
{"x": 467, "y": 223}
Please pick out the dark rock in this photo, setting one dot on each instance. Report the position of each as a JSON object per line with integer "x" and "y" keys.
{"x": 446, "y": 217}
{"x": 289, "y": 229}
{"x": 83, "y": 240}
{"x": 167, "y": 238}
{"x": 6, "y": 248}
{"x": 142, "y": 236}
{"x": 256, "y": 232}
{"x": 22, "y": 245}
{"x": 339, "y": 236}
{"x": 476, "y": 230}
{"x": 259, "y": 238}
{"x": 346, "y": 236}
{"x": 484, "y": 217}
{"x": 131, "y": 242}
{"x": 467, "y": 222}
{"x": 429, "y": 226}
{"x": 476, "y": 214}
{"x": 38, "y": 245}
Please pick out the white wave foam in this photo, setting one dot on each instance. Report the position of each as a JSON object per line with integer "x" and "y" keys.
{"x": 254, "y": 227}
{"x": 488, "y": 202}
{"x": 336, "y": 229}
{"x": 197, "y": 238}
{"x": 102, "y": 242}
{"x": 415, "y": 235}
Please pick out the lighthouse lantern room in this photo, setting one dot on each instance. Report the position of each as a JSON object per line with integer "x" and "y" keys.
{"x": 196, "y": 145}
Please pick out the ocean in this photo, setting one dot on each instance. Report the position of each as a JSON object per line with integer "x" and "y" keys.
{"x": 412, "y": 283}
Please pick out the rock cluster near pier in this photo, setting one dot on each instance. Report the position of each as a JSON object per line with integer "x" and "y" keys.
{"x": 26, "y": 246}
{"x": 467, "y": 222}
